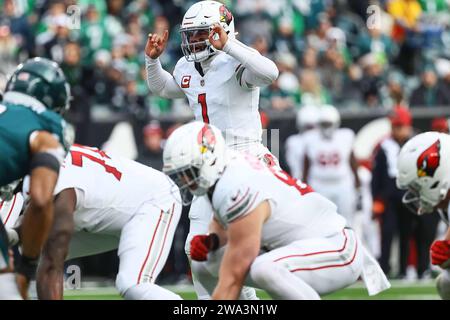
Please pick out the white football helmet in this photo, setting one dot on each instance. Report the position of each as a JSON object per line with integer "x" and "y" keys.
{"x": 194, "y": 158}
{"x": 424, "y": 170}
{"x": 329, "y": 120}
{"x": 307, "y": 117}
{"x": 196, "y": 26}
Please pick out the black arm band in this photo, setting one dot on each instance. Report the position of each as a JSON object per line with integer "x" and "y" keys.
{"x": 44, "y": 160}
{"x": 27, "y": 267}
{"x": 213, "y": 242}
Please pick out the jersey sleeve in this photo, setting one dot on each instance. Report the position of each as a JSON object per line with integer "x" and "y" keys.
{"x": 56, "y": 125}
{"x": 235, "y": 202}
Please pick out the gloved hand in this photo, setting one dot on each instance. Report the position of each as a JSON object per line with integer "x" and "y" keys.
{"x": 13, "y": 237}
{"x": 440, "y": 253}
{"x": 201, "y": 245}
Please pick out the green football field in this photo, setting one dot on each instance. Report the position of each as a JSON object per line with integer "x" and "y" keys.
{"x": 398, "y": 291}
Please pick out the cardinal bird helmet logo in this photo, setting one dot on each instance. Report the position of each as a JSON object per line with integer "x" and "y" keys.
{"x": 206, "y": 139}
{"x": 429, "y": 160}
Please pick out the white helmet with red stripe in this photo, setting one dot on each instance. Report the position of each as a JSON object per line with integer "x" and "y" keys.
{"x": 194, "y": 157}
{"x": 196, "y": 26}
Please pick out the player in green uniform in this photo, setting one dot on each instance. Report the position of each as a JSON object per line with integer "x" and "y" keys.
{"x": 31, "y": 143}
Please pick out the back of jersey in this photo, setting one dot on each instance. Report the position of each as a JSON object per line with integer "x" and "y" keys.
{"x": 329, "y": 158}
{"x": 297, "y": 211}
{"x": 17, "y": 123}
{"x": 112, "y": 182}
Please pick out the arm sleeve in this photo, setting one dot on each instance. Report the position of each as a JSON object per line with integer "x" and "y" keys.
{"x": 255, "y": 70}
{"x": 160, "y": 82}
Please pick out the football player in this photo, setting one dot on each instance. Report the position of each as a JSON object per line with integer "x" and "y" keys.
{"x": 221, "y": 78}
{"x": 424, "y": 170}
{"x": 307, "y": 119}
{"x": 307, "y": 248}
{"x": 32, "y": 141}
{"x": 107, "y": 202}
{"x": 330, "y": 166}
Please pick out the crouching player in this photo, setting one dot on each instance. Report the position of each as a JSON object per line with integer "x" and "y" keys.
{"x": 269, "y": 231}
{"x": 424, "y": 170}
{"x": 104, "y": 203}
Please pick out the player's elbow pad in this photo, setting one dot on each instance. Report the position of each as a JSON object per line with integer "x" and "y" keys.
{"x": 50, "y": 159}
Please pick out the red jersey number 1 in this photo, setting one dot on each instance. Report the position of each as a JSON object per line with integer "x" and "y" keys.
{"x": 77, "y": 160}
{"x": 202, "y": 101}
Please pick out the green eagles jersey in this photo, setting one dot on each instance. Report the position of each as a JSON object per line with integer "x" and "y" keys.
{"x": 17, "y": 123}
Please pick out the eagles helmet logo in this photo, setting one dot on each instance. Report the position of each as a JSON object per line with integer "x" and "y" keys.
{"x": 206, "y": 139}
{"x": 429, "y": 160}
{"x": 225, "y": 15}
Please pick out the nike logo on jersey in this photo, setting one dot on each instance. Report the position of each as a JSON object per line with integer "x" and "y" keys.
{"x": 234, "y": 198}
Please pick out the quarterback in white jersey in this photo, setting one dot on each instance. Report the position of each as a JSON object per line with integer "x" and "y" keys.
{"x": 330, "y": 166}
{"x": 276, "y": 233}
{"x": 107, "y": 202}
{"x": 220, "y": 77}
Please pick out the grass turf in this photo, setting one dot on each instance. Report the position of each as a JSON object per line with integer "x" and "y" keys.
{"x": 398, "y": 291}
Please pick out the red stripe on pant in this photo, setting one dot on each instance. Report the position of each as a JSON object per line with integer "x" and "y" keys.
{"x": 10, "y": 210}
{"x": 150, "y": 248}
{"x": 164, "y": 243}
{"x": 330, "y": 266}
{"x": 319, "y": 252}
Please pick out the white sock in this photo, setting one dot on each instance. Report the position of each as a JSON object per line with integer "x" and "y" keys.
{"x": 149, "y": 291}
{"x": 280, "y": 283}
{"x": 248, "y": 293}
{"x": 8, "y": 285}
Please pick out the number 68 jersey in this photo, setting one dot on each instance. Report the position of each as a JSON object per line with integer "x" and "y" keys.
{"x": 111, "y": 187}
{"x": 219, "y": 98}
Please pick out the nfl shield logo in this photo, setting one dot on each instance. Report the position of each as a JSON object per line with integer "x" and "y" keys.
{"x": 202, "y": 83}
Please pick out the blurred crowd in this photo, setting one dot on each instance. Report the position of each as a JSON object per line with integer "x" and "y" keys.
{"x": 356, "y": 53}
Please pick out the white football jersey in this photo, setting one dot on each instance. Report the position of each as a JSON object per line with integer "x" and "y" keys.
{"x": 329, "y": 159}
{"x": 112, "y": 185}
{"x": 297, "y": 212}
{"x": 219, "y": 99}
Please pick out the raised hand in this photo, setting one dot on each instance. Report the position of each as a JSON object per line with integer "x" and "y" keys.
{"x": 218, "y": 37}
{"x": 156, "y": 44}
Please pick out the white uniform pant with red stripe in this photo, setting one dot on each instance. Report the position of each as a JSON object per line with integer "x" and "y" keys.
{"x": 323, "y": 264}
{"x": 304, "y": 269}
{"x": 143, "y": 241}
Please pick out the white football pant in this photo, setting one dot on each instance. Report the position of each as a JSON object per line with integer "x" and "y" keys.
{"x": 143, "y": 243}
{"x": 303, "y": 270}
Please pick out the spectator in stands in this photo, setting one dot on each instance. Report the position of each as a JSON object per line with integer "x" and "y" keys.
{"x": 311, "y": 90}
{"x": 372, "y": 80}
{"x": 374, "y": 41}
{"x": 151, "y": 153}
{"x": 406, "y": 32}
{"x": 388, "y": 206}
{"x": 94, "y": 34}
{"x": 8, "y": 53}
{"x": 394, "y": 92}
{"x": 19, "y": 26}
{"x": 431, "y": 92}
{"x": 52, "y": 43}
